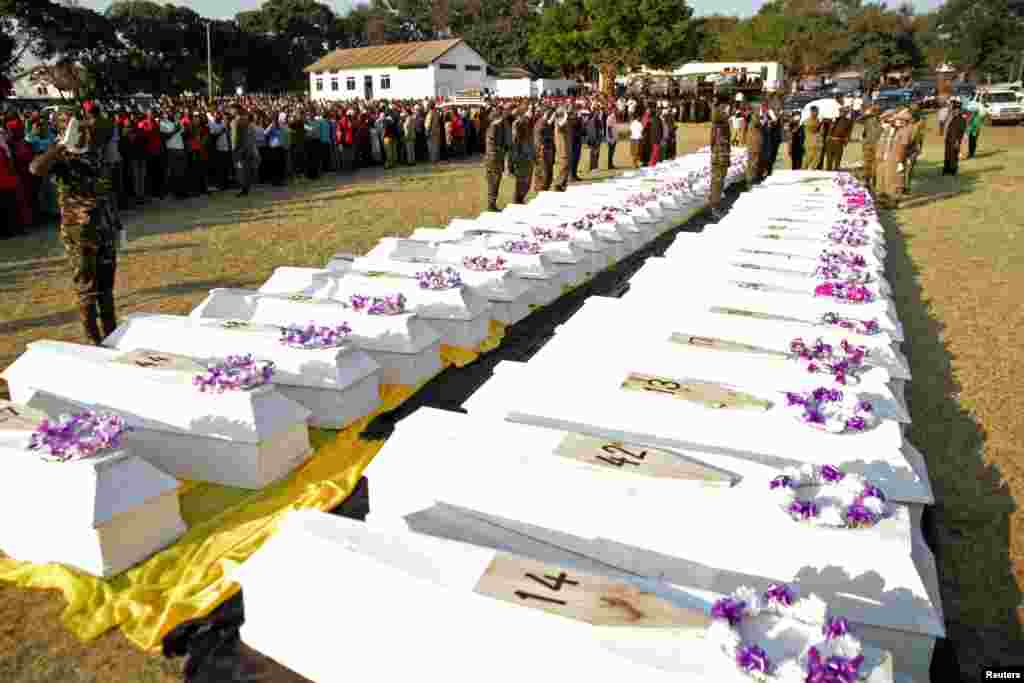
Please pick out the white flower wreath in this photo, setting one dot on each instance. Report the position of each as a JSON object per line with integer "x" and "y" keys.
{"x": 837, "y": 651}
{"x": 828, "y": 497}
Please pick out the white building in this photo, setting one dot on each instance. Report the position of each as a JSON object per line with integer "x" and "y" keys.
{"x": 519, "y": 82}
{"x": 772, "y": 73}
{"x": 435, "y": 68}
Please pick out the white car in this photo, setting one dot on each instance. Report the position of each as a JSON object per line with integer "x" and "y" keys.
{"x": 1003, "y": 106}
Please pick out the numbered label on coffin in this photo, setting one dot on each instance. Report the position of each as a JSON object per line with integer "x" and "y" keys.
{"x": 338, "y": 385}
{"x": 238, "y": 438}
{"x": 607, "y": 502}
{"x": 426, "y": 577}
{"x": 812, "y": 224}
{"x": 874, "y": 254}
{"x": 590, "y": 400}
{"x": 530, "y": 494}
{"x": 409, "y": 251}
{"x": 753, "y": 305}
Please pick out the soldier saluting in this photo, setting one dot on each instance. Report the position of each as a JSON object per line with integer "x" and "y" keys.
{"x": 521, "y": 155}
{"x": 544, "y": 149}
{"x": 721, "y": 150}
{"x": 89, "y": 224}
{"x": 497, "y": 142}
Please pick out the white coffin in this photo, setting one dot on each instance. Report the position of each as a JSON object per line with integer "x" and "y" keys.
{"x": 717, "y": 538}
{"x": 661, "y": 275}
{"x": 406, "y": 348}
{"x": 525, "y": 291}
{"x": 461, "y": 316}
{"x": 873, "y": 253}
{"x": 338, "y": 386}
{"x": 653, "y": 293}
{"x": 545, "y": 277}
{"x": 626, "y": 224}
{"x": 764, "y": 377}
{"x": 246, "y": 439}
{"x": 100, "y": 515}
{"x": 595, "y": 254}
{"x": 619, "y": 245}
{"x": 423, "y": 577}
{"x": 508, "y": 296}
{"x": 588, "y": 399}
{"x": 656, "y": 323}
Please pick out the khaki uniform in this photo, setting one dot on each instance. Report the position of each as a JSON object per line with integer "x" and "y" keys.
{"x": 544, "y": 149}
{"x": 721, "y": 151}
{"x": 812, "y": 143}
{"x": 89, "y": 230}
{"x": 913, "y": 151}
{"x": 563, "y": 151}
{"x": 521, "y": 157}
{"x": 755, "y": 140}
{"x": 872, "y": 135}
{"x": 495, "y": 151}
{"x": 895, "y": 142}
{"x": 838, "y": 137}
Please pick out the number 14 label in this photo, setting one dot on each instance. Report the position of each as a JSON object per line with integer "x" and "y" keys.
{"x": 594, "y": 599}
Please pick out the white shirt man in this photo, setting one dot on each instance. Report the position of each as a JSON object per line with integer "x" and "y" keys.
{"x": 216, "y": 128}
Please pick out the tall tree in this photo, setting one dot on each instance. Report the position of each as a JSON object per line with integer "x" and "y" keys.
{"x": 983, "y": 36}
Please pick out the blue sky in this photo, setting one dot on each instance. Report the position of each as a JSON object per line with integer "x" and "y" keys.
{"x": 222, "y": 9}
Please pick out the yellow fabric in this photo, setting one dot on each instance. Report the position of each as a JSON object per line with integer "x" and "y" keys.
{"x": 460, "y": 356}
{"x": 225, "y": 526}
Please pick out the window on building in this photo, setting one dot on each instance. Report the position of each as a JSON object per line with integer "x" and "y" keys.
{"x": 350, "y": 83}
{"x": 334, "y": 85}
{"x": 319, "y": 84}
{"x": 449, "y": 67}
{"x": 471, "y": 67}
{"x": 385, "y": 82}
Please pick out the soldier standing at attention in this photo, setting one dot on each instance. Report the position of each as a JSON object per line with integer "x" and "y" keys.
{"x": 521, "y": 155}
{"x": 872, "y": 134}
{"x": 544, "y": 149}
{"x": 812, "y": 141}
{"x": 916, "y": 146}
{"x": 838, "y": 138}
{"x": 755, "y": 147}
{"x": 89, "y": 223}
{"x": 720, "y": 154}
{"x": 496, "y": 148}
{"x": 563, "y": 148}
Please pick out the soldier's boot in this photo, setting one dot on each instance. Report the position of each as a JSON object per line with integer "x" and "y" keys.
{"x": 108, "y": 314}
{"x": 90, "y": 324}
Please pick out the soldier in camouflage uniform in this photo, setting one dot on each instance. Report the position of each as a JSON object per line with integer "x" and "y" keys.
{"x": 872, "y": 134}
{"x": 521, "y": 154}
{"x": 89, "y": 227}
{"x": 496, "y": 147}
{"x": 563, "y": 148}
{"x": 544, "y": 149}
{"x": 720, "y": 153}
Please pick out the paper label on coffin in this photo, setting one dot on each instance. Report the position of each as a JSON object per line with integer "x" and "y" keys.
{"x": 656, "y": 463}
{"x": 586, "y": 402}
{"x": 706, "y": 394}
{"x": 19, "y": 419}
{"x": 148, "y": 359}
{"x": 701, "y": 518}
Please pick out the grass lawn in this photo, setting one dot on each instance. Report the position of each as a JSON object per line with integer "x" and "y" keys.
{"x": 956, "y": 259}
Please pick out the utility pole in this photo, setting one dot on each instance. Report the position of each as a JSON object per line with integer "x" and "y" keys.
{"x": 209, "y": 65}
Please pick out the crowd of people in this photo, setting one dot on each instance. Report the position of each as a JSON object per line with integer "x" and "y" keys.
{"x": 190, "y": 146}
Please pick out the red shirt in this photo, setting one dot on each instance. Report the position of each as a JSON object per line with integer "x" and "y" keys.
{"x": 150, "y": 136}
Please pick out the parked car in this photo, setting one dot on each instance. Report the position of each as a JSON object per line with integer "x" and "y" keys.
{"x": 796, "y": 103}
{"x": 888, "y": 100}
{"x": 1002, "y": 106}
{"x": 965, "y": 91}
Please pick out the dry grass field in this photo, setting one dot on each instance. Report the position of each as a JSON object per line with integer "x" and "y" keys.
{"x": 957, "y": 261}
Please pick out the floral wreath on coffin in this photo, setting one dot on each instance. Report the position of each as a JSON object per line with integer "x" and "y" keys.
{"x": 78, "y": 436}
{"x": 235, "y": 373}
{"x": 438, "y": 278}
{"x": 832, "y": 410}
{"x": 845, "y": 266}
{"x": 313, "y": 337}
{"x": 835, "y": 658}
{"x": 485, "y": 264}
{"x": 844, "y": 364}
{"x": 528, "y": 247}
{"x": 851, "y": 292}
{"x": 844, "y": 500}
{"x": 378, "y": 305}
{"x": 866, "y": 327}
{"x": 556, "y": 234}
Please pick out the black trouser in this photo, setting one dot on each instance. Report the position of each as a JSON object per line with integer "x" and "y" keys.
{"x": 274, "y": 163}
{"x": 312, "y": 159}
{"x": 177, "y": 169}
{"x": 155, "y": 171}
{"x": 574, "y": 162}
{"x": 972, "y": 145}
{"x": 197, "y": 173}
{"x": 611, "y": 155}
{"x": 798, "y": 161}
